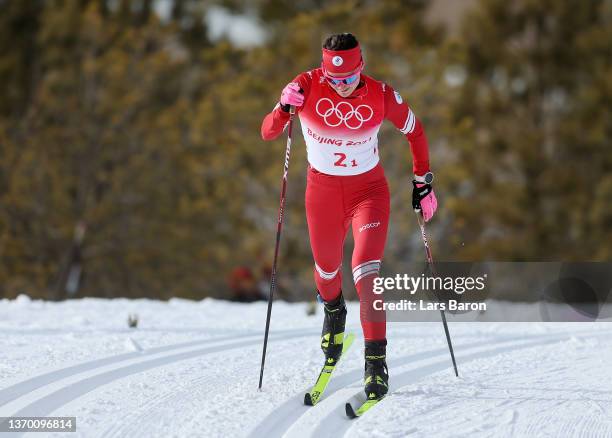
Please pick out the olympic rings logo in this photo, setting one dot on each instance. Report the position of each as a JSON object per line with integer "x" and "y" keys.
{"x": 353, "y": 118}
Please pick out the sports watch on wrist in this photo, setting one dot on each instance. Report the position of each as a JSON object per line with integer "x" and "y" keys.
{"x": 425, "y": 179}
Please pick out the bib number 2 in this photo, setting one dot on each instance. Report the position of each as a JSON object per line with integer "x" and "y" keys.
{"x": 341, "y": 158}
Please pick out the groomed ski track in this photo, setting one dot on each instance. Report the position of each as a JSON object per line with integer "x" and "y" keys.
{"x": 515, "y": 380}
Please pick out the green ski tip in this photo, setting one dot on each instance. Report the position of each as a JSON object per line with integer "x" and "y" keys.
{"x": 312, "y": 397}
{"x": 351, "y": 413}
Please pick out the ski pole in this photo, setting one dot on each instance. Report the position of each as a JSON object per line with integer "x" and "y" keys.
{"x": 429, "y": 257}
{"x": 281, "y": 211}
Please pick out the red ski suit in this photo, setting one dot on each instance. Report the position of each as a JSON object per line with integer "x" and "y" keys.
{"x": 346, "y": 184}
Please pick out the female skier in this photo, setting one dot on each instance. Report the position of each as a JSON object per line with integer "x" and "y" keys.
{"x": 341, "y": 111}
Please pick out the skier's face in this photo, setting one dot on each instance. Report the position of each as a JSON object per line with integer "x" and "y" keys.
{"x": 345, "y": 85}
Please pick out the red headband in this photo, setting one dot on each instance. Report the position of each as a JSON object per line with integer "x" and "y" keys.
{"x": 341, "y": 61}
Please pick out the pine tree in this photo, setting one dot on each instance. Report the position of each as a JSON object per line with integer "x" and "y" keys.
{"x": 530, "y": 126}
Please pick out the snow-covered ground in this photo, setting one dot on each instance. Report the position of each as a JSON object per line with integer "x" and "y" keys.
{"x": 192, "y": 368}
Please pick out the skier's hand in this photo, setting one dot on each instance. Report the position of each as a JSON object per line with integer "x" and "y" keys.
{"x": 291, "y": 96}
{"x": 424, "y": 199}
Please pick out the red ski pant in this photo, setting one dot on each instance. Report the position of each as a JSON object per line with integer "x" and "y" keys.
{"x": 332, "y": 204}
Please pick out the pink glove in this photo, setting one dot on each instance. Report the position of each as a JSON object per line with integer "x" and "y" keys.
{"x": 424, "y": 199}
{"x": 291, "y": 95}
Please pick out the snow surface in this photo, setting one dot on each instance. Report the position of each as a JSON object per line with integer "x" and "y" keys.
{"x": 192, "y": 368}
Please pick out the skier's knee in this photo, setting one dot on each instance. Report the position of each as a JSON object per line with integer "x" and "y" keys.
{"x": 371, "y": 267}
{"x": 326, "y": 275}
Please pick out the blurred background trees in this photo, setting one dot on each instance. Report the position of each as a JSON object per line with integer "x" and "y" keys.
{"x": 131, "y": 162}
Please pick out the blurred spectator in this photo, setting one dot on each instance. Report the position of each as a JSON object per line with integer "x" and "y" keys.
{"x": 244, "y": 286}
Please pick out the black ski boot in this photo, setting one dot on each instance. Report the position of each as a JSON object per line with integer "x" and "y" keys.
{"x": 376, "y": 376}
{"x": 332, "y": 336}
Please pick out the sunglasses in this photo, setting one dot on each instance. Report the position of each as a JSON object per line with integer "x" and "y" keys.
{"x": 347, "y": 81}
